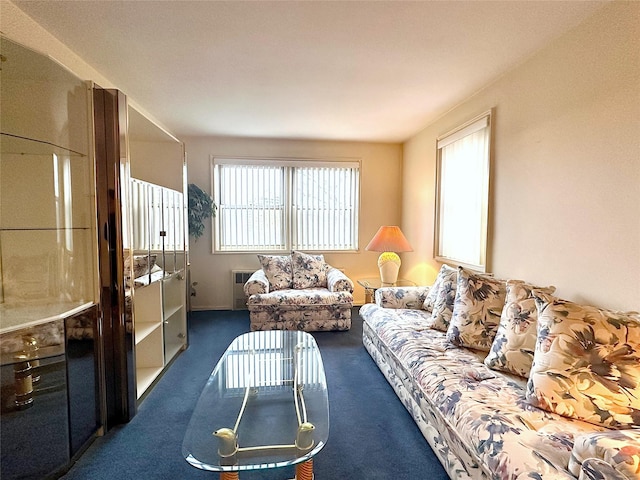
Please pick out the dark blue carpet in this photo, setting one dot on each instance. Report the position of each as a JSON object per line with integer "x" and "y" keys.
{"x": 372, "y": 436}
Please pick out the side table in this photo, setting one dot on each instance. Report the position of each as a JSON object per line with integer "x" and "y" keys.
{"x": 370, "y": 286}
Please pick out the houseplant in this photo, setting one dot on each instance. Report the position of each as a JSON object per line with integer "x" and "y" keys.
{"x": 201, "y": 207}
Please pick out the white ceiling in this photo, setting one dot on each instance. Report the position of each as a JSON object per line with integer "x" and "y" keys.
{"x": 341, "y": 70}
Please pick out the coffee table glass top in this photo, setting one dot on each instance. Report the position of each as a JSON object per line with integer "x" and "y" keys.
{"x": 264, "y": 406}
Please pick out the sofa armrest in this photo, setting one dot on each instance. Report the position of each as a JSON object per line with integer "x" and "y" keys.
{"x": 257, "y": 283}
{"x": 337, "y": 281}
{"x": 618, "y": 449}
{"x": 401, "y": 297}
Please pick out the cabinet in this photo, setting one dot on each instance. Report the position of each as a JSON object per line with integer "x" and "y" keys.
{"x": 142, "y": 250}
{"x": 79, "y": 346}
{"x": 47, "y": 219}
{"x": 159, "y": 293}
{"x": 49, "y": 303}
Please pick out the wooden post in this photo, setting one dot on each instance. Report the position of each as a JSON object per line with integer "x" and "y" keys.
{"x": 304, "y": 471}
{"x": 229, "y": 476}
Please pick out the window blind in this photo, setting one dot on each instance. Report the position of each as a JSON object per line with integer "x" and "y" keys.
{"x": 279, "y": 205}
{"x": 463, "y": 194}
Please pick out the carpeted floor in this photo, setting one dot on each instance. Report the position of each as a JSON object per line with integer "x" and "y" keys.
{"x": 371, "y": 437}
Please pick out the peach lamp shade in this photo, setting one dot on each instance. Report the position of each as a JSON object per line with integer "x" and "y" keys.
{"x": 389, "y": 240}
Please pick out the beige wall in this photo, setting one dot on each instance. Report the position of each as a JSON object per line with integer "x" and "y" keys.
{"x": 566, "y": 172}
{"x": 380, "y": 175}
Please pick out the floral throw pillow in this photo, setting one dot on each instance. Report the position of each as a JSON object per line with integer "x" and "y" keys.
{"x": 586, "y": 363}
{"x": 515, "y": 341}
{"x": 476, "y": 313}
{"x": 431, "y": 297}
{"x": 443, "y": 304}
{"x": 141, "y": 265}
{"x": 309, "y": 271}
{"x": 277, "y": 268}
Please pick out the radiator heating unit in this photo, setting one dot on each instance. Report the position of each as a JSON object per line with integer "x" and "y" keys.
{"x": 238, "y": 279}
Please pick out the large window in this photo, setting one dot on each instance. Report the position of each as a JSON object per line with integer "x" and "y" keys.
{"x": 281, "y": 205}
{"x": 462, "y": 201}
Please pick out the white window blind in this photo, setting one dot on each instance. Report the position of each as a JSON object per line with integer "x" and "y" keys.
{"x": 280, "y": 205}
{"x": 157, "y": 217}
{"x": 463, "y": 194}
{"x": 251, "y": 209}
{"x": 324, "y": 214}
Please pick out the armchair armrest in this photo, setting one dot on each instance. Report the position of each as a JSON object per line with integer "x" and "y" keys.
{"x": 337, "y": 281}
{"x": 257, "y": 283}
{"x": 401, "y": 297}
{"x": 617, "y": 451}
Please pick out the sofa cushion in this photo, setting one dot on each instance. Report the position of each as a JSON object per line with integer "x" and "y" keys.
{"x": 430, "y": 299}
{"x": 618, "y": 448}
{"x": 292, "y": 298}
{"x": 586, "y": 363}
{"x": 476, "y": 313}
{"x": 443, "y": 304}
{"x": 309, "y": 271}
{"x": 277, "y": 268}
{"x": 515, "y": 341}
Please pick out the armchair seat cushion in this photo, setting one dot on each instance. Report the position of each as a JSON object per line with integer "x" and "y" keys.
{"x": 293, "y": 299}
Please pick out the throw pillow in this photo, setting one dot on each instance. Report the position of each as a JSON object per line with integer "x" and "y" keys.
{"x": 277, "y": 268}
{"x": 586, "y": 363}
{"x": 141, "y": 265}
{"x": 432, "y": 295}
{"x": 309, "y": 271}
{"x": 443, "y": 304}
{"x": 515, "y": 341}
{"x": 476, "y": 312}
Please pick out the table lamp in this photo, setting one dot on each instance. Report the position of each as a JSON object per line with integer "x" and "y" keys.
{"x": 389, "y": 240}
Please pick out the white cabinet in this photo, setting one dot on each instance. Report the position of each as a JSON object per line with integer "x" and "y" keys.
{"x": 147, "y": 308}
{"x": 174, "y": 314}
{"x": 159, "y": 285}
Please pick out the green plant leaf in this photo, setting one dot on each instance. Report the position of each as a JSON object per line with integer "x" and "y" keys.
{"x": 201, "y": 207}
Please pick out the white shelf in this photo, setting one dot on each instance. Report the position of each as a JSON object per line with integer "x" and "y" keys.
{"x": 159, "y": 299}
{"x": 145, "y": 377}
{"x": 172, "y": 311}
{"x": 171, "y": 350}
{"x": 144, "y": 329}
{"x": 23, "y": 315}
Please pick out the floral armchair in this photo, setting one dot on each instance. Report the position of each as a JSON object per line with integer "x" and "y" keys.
{"x": 298, "y": 292}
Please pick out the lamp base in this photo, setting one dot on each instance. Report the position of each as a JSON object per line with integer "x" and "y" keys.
{"x": 389, "y": 265}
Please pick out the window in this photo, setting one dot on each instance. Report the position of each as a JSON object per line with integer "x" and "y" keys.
{"x": 281, "y": 205}
{"x": 462, "y": 198}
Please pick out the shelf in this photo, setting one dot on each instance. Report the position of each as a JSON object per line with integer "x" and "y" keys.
{"x": 172, "y": 349}
{"x": 145, "y": 377}
{"x": 169, "y": 312}
{"x": 18, "y": 145}
{"x": 23, "y": 315}
{"x": 144, "y": 329}
{"x": 146, "y": 280}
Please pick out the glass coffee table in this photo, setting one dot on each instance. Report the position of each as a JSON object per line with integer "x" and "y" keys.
{"x": 264, "y": 406}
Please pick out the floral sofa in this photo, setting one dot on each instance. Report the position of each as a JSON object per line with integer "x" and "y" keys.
{"x": 298, "y": 292}
{"x": 506, "y": 381}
